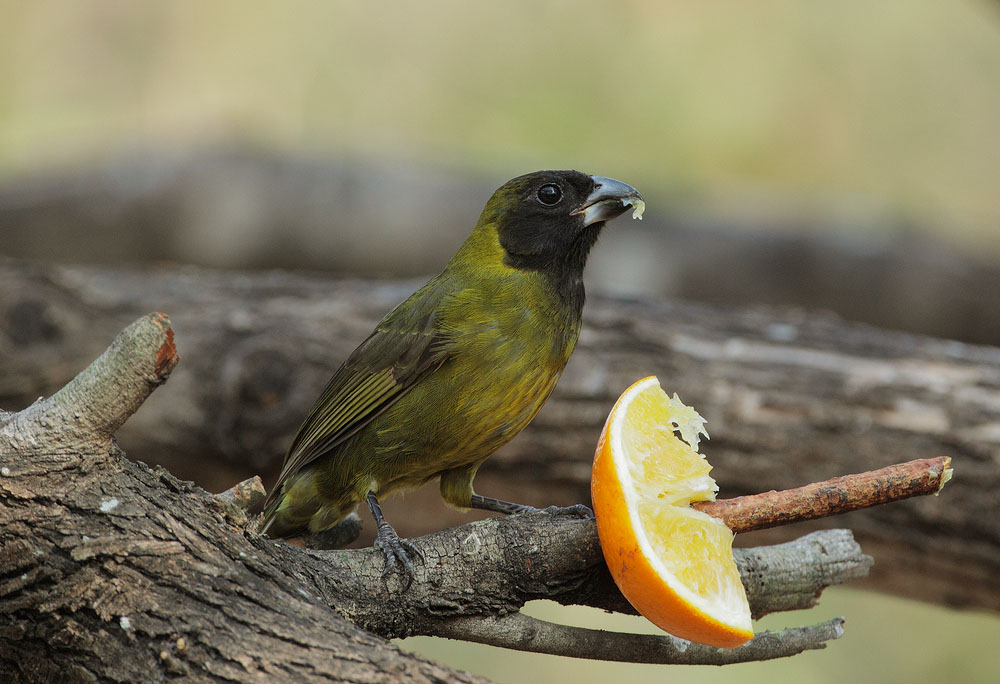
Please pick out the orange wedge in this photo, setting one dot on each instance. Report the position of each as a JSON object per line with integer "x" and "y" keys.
{"x": 674, "y": 564}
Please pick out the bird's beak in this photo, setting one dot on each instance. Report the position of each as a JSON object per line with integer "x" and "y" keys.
{"x": 610, "y": 198}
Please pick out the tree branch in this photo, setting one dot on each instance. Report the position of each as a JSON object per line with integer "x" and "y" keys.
{"x": 304, "y": 212}
{"x": 175, "y": 581}
{"x": 525, "y": 633}
{"x": 244, "y": 495}
{"x": 831, "y": 497}
{"x": 791, "y": 397}
{"x": 111, "y": 389}
{"x": 781, "y": 577}
{"x": 113, "y": 571}
{"x": 493, "y": 567}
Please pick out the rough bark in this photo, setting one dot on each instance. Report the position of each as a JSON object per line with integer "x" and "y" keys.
{"x": 113, "y": 571}
{"x": 791, "y": 398}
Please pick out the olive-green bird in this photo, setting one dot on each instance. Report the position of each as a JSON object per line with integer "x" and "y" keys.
{"x": 455, "y": 371}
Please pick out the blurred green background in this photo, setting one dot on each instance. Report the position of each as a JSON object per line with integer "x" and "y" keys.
{"x": 887, "y": 108}
{"x": 870, "y": 117}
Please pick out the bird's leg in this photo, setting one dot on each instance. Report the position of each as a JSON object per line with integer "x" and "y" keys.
{"x": 393, "y": 547}
{"x": 456, "y": 489}
{"x": 488, "y": 503}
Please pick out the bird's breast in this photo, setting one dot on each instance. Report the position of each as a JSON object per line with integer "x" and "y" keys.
{"x": 507, "y": 358}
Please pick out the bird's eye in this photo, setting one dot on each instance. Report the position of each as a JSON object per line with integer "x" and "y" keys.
{"x": 549, "y": 194}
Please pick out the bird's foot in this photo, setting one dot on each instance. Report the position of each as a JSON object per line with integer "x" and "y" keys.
{"x": 396, "y": 550}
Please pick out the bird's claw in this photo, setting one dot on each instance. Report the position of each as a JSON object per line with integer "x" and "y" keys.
{"x": 397, "y": 551}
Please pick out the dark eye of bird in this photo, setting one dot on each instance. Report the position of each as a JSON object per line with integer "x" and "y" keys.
{"x": 549, "y": 194}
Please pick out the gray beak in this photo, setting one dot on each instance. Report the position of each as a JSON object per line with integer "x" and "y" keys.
{"x": 610, "y": 198}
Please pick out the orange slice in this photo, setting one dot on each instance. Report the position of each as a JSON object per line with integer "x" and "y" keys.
{"x": 674, "y": 564}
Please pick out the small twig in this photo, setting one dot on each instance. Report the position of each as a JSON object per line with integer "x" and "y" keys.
{"x": 524, "y": 633}
{"x": 831, "y": 497}
{"x": 244, "y": 495}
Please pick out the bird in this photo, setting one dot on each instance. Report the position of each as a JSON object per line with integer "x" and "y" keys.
{"x": 456, "y": 370}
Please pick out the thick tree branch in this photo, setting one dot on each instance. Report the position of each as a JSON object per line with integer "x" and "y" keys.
{"x": 113, "y": 571}
{"x": 777, "y": 578}
{"x": 112, "y": 388}
{"x": 493, "y": 567}
{"x": 177, "y": 583}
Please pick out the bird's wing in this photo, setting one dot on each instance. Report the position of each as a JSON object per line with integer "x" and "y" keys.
{"x": 405, "y": 347}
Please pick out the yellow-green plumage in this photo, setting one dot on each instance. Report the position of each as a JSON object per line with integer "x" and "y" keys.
{"x": 456, "y": 370}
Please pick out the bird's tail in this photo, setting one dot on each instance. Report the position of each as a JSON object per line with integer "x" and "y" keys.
{"x": 292, "y": 509}
{"x": 280, "y": 519}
